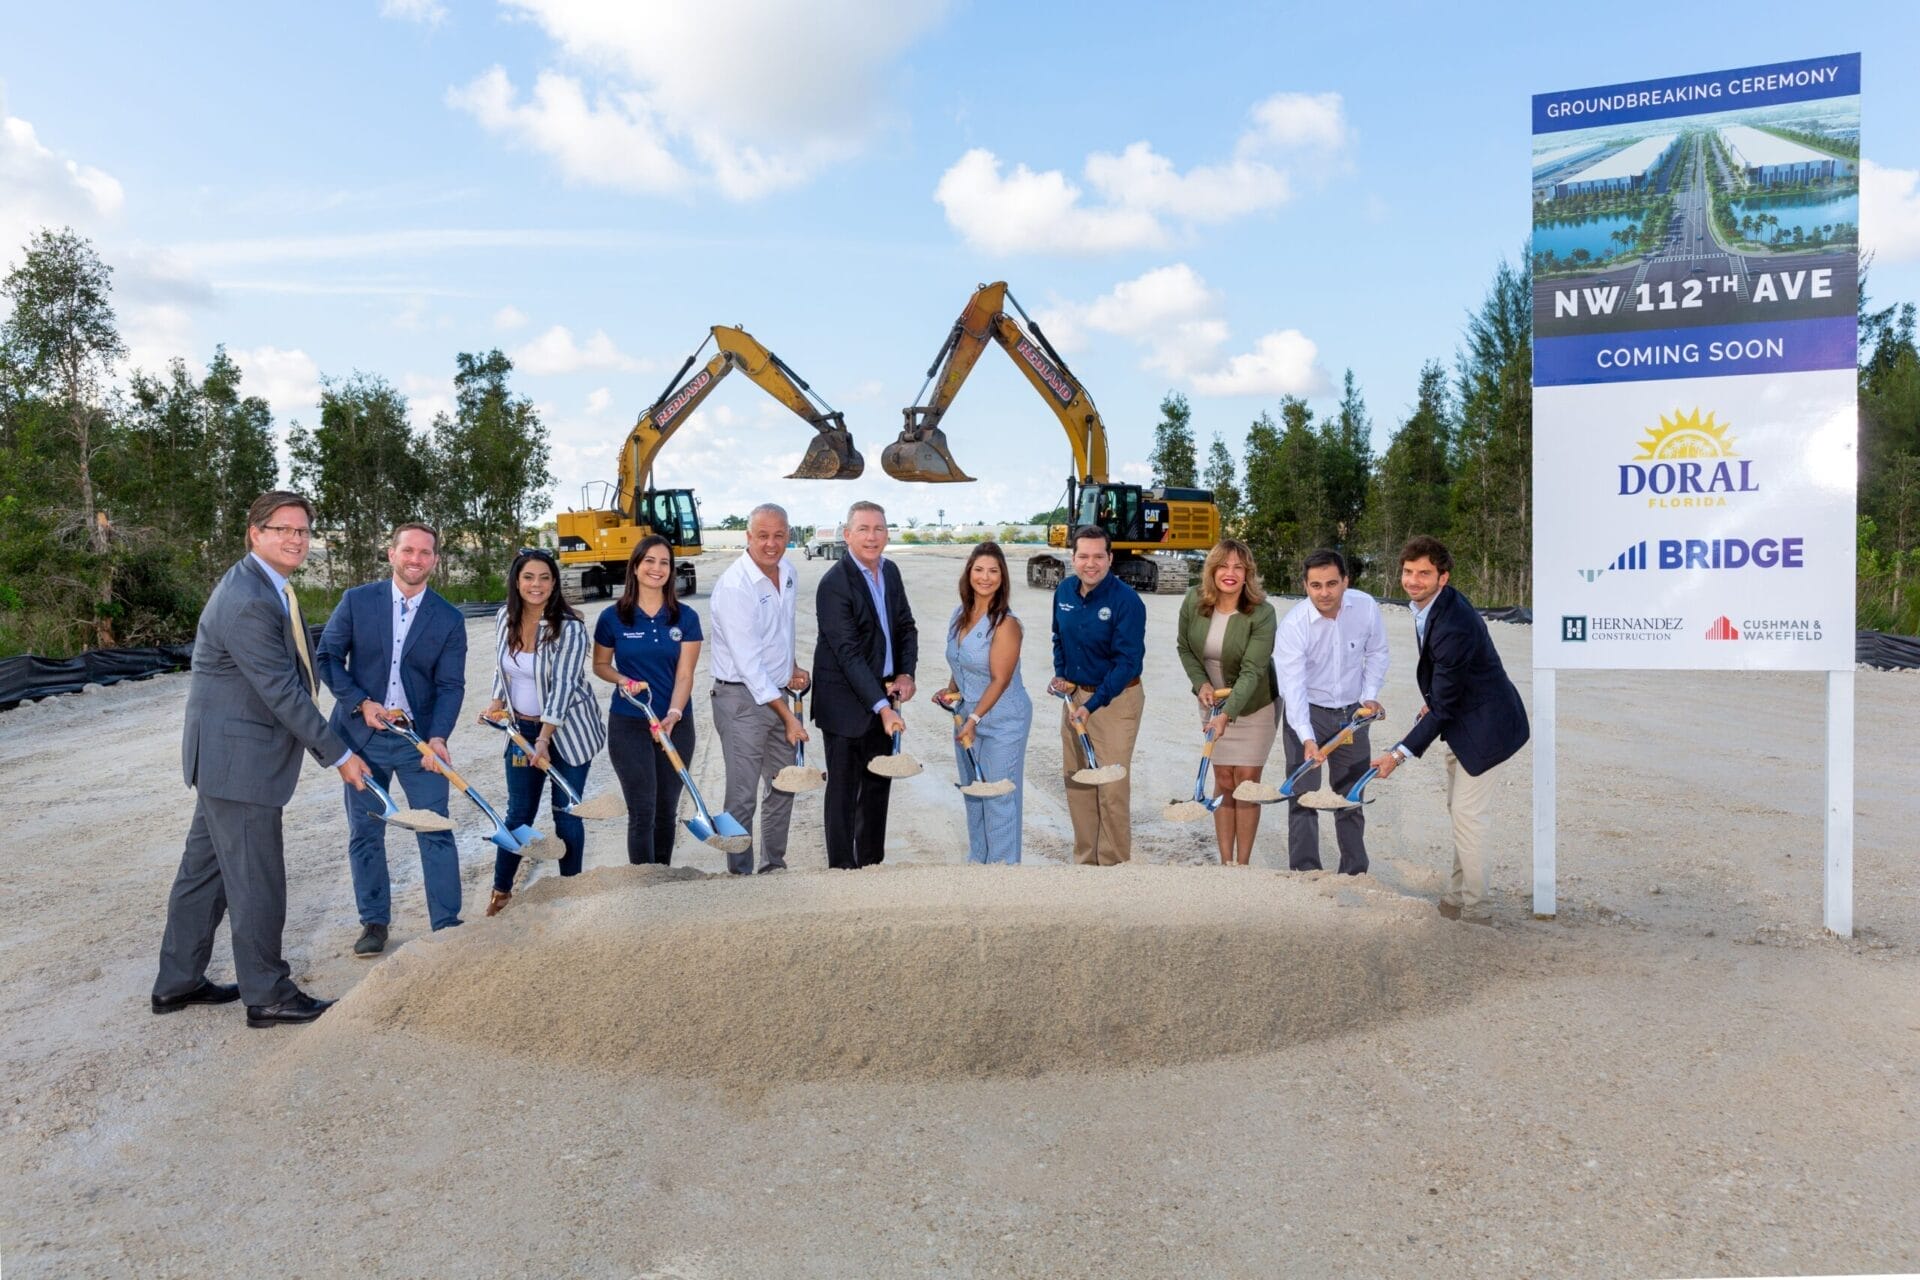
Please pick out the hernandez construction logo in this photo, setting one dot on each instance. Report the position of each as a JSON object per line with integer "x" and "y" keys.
{"x": 1688, "y": 461}
{"x": 1593, "y": 628}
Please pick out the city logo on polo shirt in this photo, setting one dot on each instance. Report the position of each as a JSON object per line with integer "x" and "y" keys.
{"x": 673, "y": 633}
{"x": 1106, "y": 614}
{"x": 1688, "y": 462}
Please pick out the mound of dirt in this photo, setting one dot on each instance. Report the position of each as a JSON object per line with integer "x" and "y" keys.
{"x": 927, "y": 972}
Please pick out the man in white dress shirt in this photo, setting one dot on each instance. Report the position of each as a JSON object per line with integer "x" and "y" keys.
{"x": 750, "y": 655}
{"x": 1330, "y": 652}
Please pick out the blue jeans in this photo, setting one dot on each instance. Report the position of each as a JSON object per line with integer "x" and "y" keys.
{"x": 388, "y": 755}
{"x": 523, "y": 805}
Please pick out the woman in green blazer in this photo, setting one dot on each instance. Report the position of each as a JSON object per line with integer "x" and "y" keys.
{"x": 1226, "y": 646}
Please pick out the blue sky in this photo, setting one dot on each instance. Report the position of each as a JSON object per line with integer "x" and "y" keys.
{"x": 1233, "y": 202}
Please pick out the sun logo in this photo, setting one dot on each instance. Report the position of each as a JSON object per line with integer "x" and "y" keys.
{"x": 1687, "y": 436}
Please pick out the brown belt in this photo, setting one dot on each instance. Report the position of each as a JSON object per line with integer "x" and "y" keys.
{"x": 1089, "y": 688}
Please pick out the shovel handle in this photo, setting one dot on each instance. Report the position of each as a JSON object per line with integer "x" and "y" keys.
{"x": 446, "y": 770}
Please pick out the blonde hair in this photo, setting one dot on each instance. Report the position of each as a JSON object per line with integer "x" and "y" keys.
{"x": 1251, "y": 592}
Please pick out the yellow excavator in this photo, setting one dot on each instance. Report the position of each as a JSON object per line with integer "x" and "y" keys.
{"x": 1144, "y": 522}
{"x": 597, "y": 540}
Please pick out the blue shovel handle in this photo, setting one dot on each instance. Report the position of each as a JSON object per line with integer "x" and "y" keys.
{"x": 1353, "y": 792}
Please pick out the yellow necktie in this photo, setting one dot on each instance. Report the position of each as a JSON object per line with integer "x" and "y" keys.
{"x": 300, "y": 641}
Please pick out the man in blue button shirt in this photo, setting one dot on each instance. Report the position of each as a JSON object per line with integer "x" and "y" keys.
{"x": 1099, "y": 647}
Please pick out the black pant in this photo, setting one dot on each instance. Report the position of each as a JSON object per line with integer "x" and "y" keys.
{"x": 651, "y": 785}
{"x": 856, "y": 800}
{"x": 1345, "y": 768}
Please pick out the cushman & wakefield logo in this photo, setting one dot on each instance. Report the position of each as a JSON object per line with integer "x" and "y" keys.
{"x": 1687, "y": 462}
{"x": 1758, "y": 629}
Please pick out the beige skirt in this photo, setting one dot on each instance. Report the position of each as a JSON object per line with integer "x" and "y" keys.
{"x": 1248, "y": 740}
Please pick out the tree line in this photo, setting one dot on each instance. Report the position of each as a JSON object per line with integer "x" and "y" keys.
{"x": 121, "y": 503}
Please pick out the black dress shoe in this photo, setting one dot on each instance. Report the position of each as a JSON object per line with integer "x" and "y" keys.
{"x": 373, "y": 940}
{"x": 206, "y": 993}
{"x": 299, "y": 1007}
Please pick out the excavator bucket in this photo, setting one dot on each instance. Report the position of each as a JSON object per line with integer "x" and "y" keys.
{"x": 922, "y": 456}
{"x": 830, "y": 456}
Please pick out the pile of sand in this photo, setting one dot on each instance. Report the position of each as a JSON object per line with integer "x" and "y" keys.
{"x": 919, "y": 971}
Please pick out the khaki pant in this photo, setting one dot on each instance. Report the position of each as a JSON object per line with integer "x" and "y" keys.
{"x": 1468, "y": 801}
{"x": 1102, "y": 825}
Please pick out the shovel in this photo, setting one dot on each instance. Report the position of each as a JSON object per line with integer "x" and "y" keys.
{"x": 1355, "y": 792}
{"x": 525, "y": 748}
{"x": 896, "y": 763}
{"x": 721, "y": 831}
{"x": 407, "y": 819}
{"x": 976, "y": 783}
{"x": 1095, "y": 774}
{"x": 796, "y": 777}
{"x": 1200, "y": 804}
{"x": 509, "y": 841}
{"x": 1261, "y": 793}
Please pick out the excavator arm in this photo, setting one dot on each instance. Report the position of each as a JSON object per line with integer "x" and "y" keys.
{"x": 921, "y": 452}
{"x": 830, "y": 454}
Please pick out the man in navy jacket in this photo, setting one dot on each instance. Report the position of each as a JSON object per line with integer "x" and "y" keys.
{"x": 396, "y": 643}
{"x": 1470, "y": 707}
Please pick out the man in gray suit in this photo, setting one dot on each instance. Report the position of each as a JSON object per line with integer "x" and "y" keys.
{"x": 250, "y": 711}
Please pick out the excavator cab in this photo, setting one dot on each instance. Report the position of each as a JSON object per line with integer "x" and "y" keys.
{"x": 672, "y": 514}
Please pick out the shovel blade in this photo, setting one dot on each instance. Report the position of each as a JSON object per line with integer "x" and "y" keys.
{"x": 726, "y": 825}
{"x": 701, "y": 831}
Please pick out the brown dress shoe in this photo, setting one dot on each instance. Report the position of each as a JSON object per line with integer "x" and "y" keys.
{"x": 1447, "y": 909}
{"x": 498, "y": 901}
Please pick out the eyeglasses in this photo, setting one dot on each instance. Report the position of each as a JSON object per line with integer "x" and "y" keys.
{"x": 541, "y": 552}
{"x": 288, "y": 530}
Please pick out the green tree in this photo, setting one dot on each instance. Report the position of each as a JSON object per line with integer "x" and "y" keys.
{"x": 364, "y": 468}
{"x": 1286, "y": 513}
{"x": 1411, "y": 489}
{"x": 1221, "y": 479}
{"x": 1890, "y": 472}
{"x": 1346, "y": 451}
{"x": 492, "y": 457}
{"x": 1492, "y": 525}
{"x": 240, "y": 433}
{"x": 1173, "y": 460}
{"x": 62, "y": 344}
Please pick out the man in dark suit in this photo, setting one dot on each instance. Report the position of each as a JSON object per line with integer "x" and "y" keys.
{"x": 250, "y": 711}
{"x": 1470, "y": 707}
{"x": 398, "y": 644}
{"x": 862, "y": 664}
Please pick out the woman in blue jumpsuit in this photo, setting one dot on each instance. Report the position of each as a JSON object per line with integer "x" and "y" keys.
{"x": 983, "y": 653}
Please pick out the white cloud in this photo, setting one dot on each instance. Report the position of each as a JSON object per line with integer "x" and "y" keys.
{"x": 156, "y": 334}
{"x": 40, "y": 188}
{"x": 509, "y": 318}
{"x": 427, "y": 397}
{"x": 428, "y": 13}
{"x": 1173, "y": 315}
{"x": 289, "y": 381}
{"x": 678, "y": 104}
{"x": 1145, "y": 199}
{"x": 1284, "y": 363}
{"x": 1889, "y": 212}
{"x": 598, "y": 399}
{"x": 556, "y": 351}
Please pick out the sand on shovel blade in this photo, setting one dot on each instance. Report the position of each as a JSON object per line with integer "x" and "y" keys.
{"x": 731, "y": 844}
{"x": 1324, "y": 799}
{"x": 987, "y": 790}
{"x": 420, "y": 820}
{"x": 795, "y": 778}
{"x": 606, "y": 804}
{"x": 1183, "y": 810}
{"x": 544, "y": 848}
{"x": 900, "y": 766}
{"x": 1102, "y": 776}
{"x": 1256, "y": 792}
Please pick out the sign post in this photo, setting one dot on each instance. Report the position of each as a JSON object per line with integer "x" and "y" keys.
{"x": 1695, "y": 289}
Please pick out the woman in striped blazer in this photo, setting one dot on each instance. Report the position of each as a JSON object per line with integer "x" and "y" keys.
{"x": 540, "y": 675}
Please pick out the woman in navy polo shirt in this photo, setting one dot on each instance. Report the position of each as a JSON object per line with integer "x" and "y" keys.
{"x": 648, "y": 636}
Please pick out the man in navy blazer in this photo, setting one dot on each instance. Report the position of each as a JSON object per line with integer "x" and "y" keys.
{"x": 1471, "y": 707}
{"x": 862, "y": 665}
{"x": 390, "y": 644}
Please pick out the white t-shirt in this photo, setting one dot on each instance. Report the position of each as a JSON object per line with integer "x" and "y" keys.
{"x": 523, "y": 683}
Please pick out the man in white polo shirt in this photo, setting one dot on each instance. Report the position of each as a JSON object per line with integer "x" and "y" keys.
{"x": 1330, "y": 653}
{"x": 750, "y": 655}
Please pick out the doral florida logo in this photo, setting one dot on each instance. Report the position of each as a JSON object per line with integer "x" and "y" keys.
{"x": 1707, "y": 553}
{"x": 1688, "y": 461}
{"x": 1722, "y": 629}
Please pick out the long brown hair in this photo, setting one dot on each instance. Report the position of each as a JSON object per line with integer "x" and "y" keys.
{"x": 996, "y": 607}
{"x": 1251, "y": 592}
{"x": 630, "y": 598}
{"x": 557, "y": 610}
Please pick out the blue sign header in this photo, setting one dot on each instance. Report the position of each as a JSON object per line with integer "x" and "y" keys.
{"x": 1701, "y": 94}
